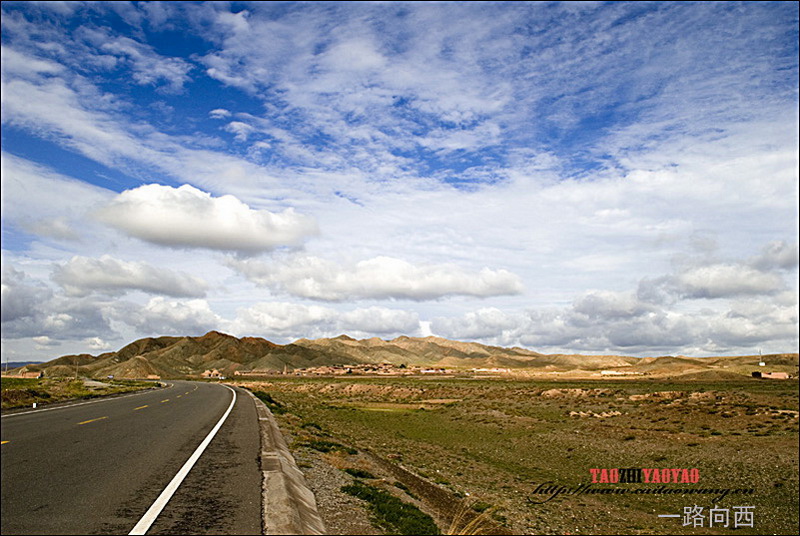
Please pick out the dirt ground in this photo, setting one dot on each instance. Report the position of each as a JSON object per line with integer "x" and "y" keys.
{"x": 479, "y": 455}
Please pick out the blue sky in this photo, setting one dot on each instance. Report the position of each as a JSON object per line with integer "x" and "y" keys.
{"x": 570, "y": 177}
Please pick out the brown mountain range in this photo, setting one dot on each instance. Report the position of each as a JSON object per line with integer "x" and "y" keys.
{"x": 178, "y": 357}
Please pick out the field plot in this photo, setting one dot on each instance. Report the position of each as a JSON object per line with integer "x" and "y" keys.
{"x": 478, "y": 455}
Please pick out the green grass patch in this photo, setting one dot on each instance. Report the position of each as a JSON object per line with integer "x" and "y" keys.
{"x": 399, "y": 485}
{"x": 311, "y": 426}
{"x": 391, "y": 513}
{"x": 18, "y": 383}
{"x": 327, "y": 446}
{"x": 359, "y": 473}
{"x": 273, "y": 405}
{"x": 24, "y": 392}
{"x": 481, "y": 506}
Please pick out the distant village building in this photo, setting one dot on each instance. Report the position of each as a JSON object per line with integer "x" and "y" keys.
{"x": 772, "y": 375}
{"x": 619, "y": 373}
{"x": 255, "y": 372}
{"x": 213, "y": 374}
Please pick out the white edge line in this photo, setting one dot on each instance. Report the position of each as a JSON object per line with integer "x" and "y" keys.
{"x": 155, "y": 509}
{"x": 95, "y": 401}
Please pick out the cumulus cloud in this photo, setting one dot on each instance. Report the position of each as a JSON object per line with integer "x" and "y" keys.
{"x": 608, "y": 304}
{"x": 21, "y": 296}
{"x": 485, "y": 323}
{"x": 186, "y": 217}
{"x": 725, "y": 280}
{"x": 292, "y": 321}
{"x": 777, "y": 255}
{"x": 377, "y": 278}
{"x": 283, "y": 319}
{"x": 714, "y": 281}
{"x": 755, "y": 307}
{"x": 31, "y": 309}
{"x": 702, "y": 332}
{"x": 44, "y": 341}
{"x": 82, "y": 275}
{"x": 96, "y": 344}
{"x": 166, "y": 317}
{"x": 379, "y": 321}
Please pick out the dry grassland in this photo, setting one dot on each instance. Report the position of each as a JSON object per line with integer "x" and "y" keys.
{"x": 472, "y": 452}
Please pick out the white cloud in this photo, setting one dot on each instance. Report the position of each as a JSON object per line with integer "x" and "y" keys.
{"x": 239, "y": 129}
{"x": 283, "y": 319}
{"x": 147, "y": 67}
{"x": 186, "y": 217}
{"x": 44, "y": 202}
{"x": 760, "y": 323}
{"x": 219, "y": 113}
{"x": 377, "y": 278}
{"x": 607, "y": 304}
{"x": 777, "y": 254}
{"x": 44, "y": 340}
{"x": 721, "y": 281}
{"x": 82, "y": 275}
{"x": 31, "y": 309}
{"x": 21, "y": 297}
{"x": 485, "y": 323}
{"x": 666, "y": 314}
{"x": 291, "y": 321}
{"x": 96, "y": 344}
{"x": 18, "y": 64}
{"x": 165, "y": 317}
{"x": 588, "y": 148}
{"x": 379, "y": 321}
{"x": 716, "y": 281}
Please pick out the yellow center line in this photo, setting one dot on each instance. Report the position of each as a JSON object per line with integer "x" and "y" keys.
{"x": 142, "y": 407}
{"x": 92, "y": 420}
{"x": 4, "y": 442}
{"x": 167, "y": 400}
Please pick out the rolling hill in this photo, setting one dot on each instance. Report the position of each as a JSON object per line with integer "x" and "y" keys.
{"x": 179, "y": 357}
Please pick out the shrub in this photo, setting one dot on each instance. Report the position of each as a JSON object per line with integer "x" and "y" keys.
{"x": 392, "y": 513}
{"x": 328, "y": 446}
{"x": 401, "y": 486}
{"x": 310, "y": 425}
{"x": 359, "y": 473}
{"x": 481, "y": 506}
{"x": 273, "y": 405}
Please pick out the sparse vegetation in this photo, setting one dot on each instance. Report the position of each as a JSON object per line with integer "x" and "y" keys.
{"x": 494, "y": 440}
{"x": 273, "y": 405}
{"x": 359, "y": 473}
{"x": 391, "y": 513}
{"x": 24, "y": 392}
{"x": 327, "y": 446}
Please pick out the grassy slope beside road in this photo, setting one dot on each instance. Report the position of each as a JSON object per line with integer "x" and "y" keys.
{"x": 494, "y": 441}
{"x": 23, "y": 392}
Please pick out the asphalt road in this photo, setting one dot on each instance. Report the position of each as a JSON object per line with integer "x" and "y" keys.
{"x": 95, "y": 468}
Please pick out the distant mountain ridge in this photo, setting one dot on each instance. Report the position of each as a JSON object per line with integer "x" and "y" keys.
{"x": 180, "y": 357}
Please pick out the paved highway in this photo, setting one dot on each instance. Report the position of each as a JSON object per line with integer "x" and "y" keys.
{"x": 96, "y": 468}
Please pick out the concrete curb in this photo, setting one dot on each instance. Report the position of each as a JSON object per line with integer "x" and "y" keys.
{"x": 288, "y": 506}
